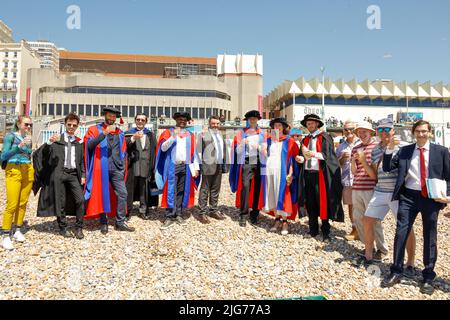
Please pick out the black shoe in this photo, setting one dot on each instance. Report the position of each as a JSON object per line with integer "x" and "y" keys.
{"x": 254, "y": 218}
{"x": 65, "y": 233}
{"x": 362, "y": 261}
{"x": 123, "y": 227}
{"x": 426, "y": 287}
{"x": 391, "y": 280}
{"x": 79, "y": 233}
{"x": 409, "y": 272}
{"x": 314, "y": 234}
{"x": 243, "y": 221}
{"x": 104, "y": 229}
{"x": 144, "y": 216}
{"x": 326, "y": 238}
{"x": 168, "y": 223}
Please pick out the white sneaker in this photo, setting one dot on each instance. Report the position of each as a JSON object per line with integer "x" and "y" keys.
{"x": 18, "y": 236}
{"x": 7, "y": 244}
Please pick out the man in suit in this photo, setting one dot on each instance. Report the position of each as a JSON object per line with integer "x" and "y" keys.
{"x": 61, "y": 177}
{"x": 211, "y": 149}
{"x": 416, "y": 163}
{"x": 141, "y": 149}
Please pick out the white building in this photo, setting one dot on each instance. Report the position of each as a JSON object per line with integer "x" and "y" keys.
{"x": 5, "y": 33}
{"x": 15, "y": 61}
{"x": 48, "y": 52}
{"x": 358, "y": 100}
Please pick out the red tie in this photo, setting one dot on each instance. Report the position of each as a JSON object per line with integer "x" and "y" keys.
{"x": 423, "y": 173}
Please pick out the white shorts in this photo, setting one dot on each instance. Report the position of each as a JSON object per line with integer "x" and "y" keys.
{"x": 380, "y": 204}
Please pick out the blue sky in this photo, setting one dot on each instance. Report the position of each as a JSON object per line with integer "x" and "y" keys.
{"x": 295, "y": 37}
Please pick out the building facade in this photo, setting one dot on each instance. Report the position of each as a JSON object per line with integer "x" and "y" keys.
{"x": 154, "y": 85}
{"x": 5, "y": 33}
{"x": 358, "y": 100}
{"x": 16, "y": 59}
{"x": 48, "y": 53}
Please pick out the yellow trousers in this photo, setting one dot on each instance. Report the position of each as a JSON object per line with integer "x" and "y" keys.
{"x": 19, "y": 182}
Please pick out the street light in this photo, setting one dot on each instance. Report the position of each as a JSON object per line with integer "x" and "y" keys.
{"x": 322, "y": 69}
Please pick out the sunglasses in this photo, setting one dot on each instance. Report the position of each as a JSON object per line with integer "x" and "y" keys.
{"x": 72, "y": 125}
{"x": 29, "y": 125}
{"x": 141, "y": 120}
{"x": 387, "y": 130}
{"x": 349, "y": 129}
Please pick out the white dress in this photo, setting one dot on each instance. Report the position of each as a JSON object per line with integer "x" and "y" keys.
{"x": 273, "y": 179}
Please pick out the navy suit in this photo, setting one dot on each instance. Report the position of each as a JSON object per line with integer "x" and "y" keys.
{"x": 411, "y": 202}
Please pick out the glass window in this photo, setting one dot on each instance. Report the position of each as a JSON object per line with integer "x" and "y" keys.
{"x": 132, "y": 112}
{"x": 5, "y": 74}
{"x": 73, "y": 108}
{"x": 14, "y": 75}
{"x": 174, "y": 110}
{"x": 138, "y": 109}
{"x": 202, "y": 113}
{"x": 5, "y": 85}
{"x": 96, "y": 111}
{"x": 14, "y": 85}
{"x": 51, "y": 109}
{"x": 215, "y": 112}
{"x": 167, "y": 112}
{"x": 101, "y": 109}
{"x": 188, "y": 110}
{"x": 15, "y": 54}
{"x": 59, "y": 109}
{"x": 160, "y": 111}
{"x": 195, "y": 113}
{"x": 88, "y": 110}
{"x": 153, "y": 111}
{"x": 146, "y": 111}
{"x": 208, "y": 113}
{"x": 81, "y": 109}
{"x": 66, "y": 109}
{"x": 44, "y": 109}
{"x": 5, "y": 98}
{"x": 125, "y": 111}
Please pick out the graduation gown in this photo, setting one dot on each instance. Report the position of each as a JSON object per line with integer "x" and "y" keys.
{"x": 99, "y": 193}
{"x": 330, "y": 185}
{"x": 133, "y": 157}
{"x": 237, "y": 168}
{"x": 278, "y": 166}
{"x": 165, "y": 171}
{"x": 47, "y": 172}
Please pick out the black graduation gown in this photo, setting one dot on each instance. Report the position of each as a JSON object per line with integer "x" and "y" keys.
{"x": 48, "y": 163}
{"x": 133, "y": 156}
{"x": 332, "y": 175}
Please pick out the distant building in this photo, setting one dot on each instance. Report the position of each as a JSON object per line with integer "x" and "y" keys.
{"x": 5, "y": 33}
{"x": 358, "y": 100}
{"x": 15, "y": 60}
{"x": 228, "y": 85}
{"x": 48, "y": 52}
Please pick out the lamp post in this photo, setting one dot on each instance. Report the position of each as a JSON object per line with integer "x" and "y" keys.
{"x": 322, "y": 69}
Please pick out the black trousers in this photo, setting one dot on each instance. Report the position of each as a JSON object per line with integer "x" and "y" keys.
{"x": 411, "y": 203}
{"x": 312, "y": 202}
{"x": 180, "y": 179}
{"x": 250, "y": 171}
{"x": 70, "y": 183}
{"x": 210, "y": 189}
{"x": 139, "y": 187}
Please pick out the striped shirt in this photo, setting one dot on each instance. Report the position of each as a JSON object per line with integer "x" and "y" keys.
{"x": 386, "y": 180}
{"x": 361, "y": 180}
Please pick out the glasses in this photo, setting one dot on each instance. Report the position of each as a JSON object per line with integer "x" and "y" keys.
{"x": 387, "y": 130}
{"x": 349, "y": 129}
{"x": 141, "y": 120}
{"x": 422, "y": 131}
{"x": 72, "y": 125}
{"x": 29, "y": 125}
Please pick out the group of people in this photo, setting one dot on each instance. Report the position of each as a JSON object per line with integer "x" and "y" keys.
{"x": 278, "y": 171}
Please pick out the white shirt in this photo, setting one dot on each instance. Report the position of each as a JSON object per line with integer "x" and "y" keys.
{"x": 218, "y": 144}
{"x": 180, "y": 151}
{"x": 143, "y": 140}
{"x": 314, "y": 161}
{"x": 412, "y": 180}
{"x": 72, "y": 160}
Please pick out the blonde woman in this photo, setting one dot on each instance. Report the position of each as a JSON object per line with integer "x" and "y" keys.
{"x": 19, "y": 179}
